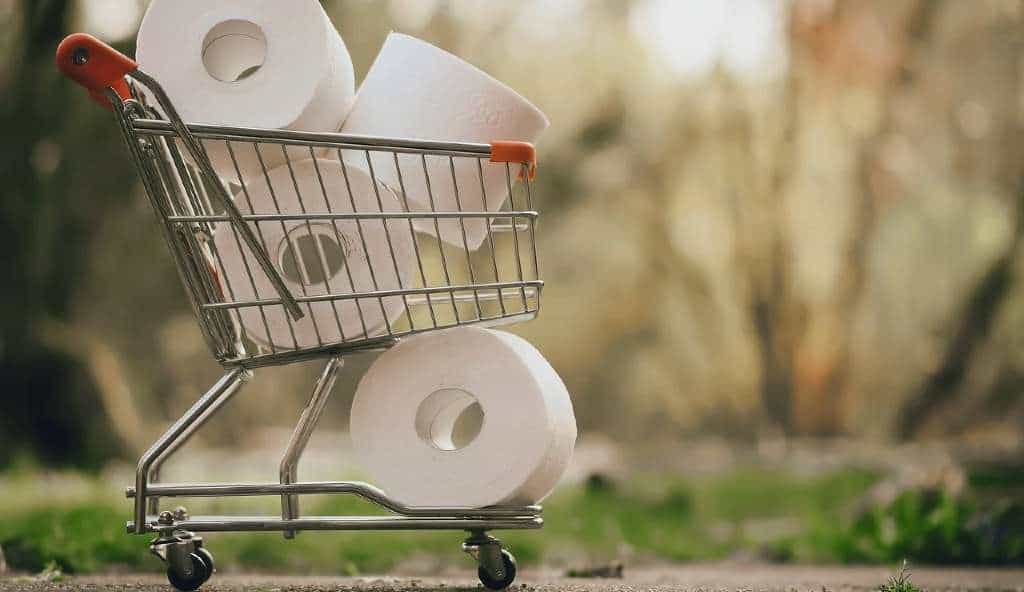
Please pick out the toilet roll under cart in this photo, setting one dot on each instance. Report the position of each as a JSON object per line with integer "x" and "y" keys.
{"x": 295, "y": 298}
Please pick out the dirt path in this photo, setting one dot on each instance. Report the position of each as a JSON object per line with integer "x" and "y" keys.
{"x": 752, "y": 578}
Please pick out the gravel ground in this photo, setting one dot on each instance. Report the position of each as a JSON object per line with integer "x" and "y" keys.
{"x": 739, "y": 577}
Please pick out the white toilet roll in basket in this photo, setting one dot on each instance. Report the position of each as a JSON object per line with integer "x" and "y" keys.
{"x": 248, "y": 63}
{"x": 415, "y": 90}
{"x": 318, "y": 257}
{"x": 408, "y": 404}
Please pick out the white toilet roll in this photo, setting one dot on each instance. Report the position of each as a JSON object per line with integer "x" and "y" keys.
{"x": 415, "y": 90}
{"x": 205, "y": 56}
{"x": 405, "y": 405}
{"x": 318, "y": 257}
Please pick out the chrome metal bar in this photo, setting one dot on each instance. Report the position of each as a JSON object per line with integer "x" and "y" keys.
{"x": 289, "y": 468}
{"x": 490, "y": 232}
{"x": 437, "y": 234}
{"x": 203, "y": 161}
{"x": 319, "y": 244}
{"x": 483, "y": 295}
{"x": 245, "y": 258}
{"x": 363, "y": 490}
{"x": 176, "y": 444}
{"x": 507, "y": 226}
{"x": 359, "y": 345}
{"x": 205, "y": 205}
{"x": 415, "y": 244}
{"x": 152, "y": 183}
{"x": 334, "y": 225}
{"x": 225, "y": 387}
{"x": 518, "y": 285}
{"x": 362, "y": 239}
{"x": 158, "y": 159}
{"x": 283, "y": 357}
{"x": 532, "y": 222}
{"x": 387, "y": 234}
{"x": 462, "y": 227}
{"x": 515, "y": 235}
{"x": 349, "y": 216}
{"x": 182, "y": 239}
{"x": 288, "y": 237}
{"x": 183, "y": 195}
{"x": 264, "y": 524}
{"x": 334, "y": 140}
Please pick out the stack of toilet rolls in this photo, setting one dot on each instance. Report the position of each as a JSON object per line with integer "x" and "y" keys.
{"x": 282, "y": 65}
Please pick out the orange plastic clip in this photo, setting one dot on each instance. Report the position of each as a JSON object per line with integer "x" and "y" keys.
{"x": 513, "y": 151}
{"x": 120, "y": 87}
{"x": 95, "y": 65}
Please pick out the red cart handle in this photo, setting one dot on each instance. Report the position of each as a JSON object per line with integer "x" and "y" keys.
{"x": 95, "y": 65}
{"x": 511, "y": 151}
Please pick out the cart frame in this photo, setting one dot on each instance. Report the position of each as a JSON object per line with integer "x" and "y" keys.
{"x": 183, "y": 192}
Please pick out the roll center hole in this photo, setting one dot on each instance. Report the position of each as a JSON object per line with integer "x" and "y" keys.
{"x": 234, "y": 50}
{"x": 311, "y": 255}
{"x": 449, "y": 419}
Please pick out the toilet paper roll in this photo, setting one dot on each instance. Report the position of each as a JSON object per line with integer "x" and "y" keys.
{"x": 317, "y": 257}
{"x": 407, "y": 406}
{"x": 248, "y": 63}
{"x": 415, "y": 90}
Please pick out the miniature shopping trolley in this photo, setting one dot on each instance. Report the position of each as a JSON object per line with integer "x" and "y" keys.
{"x": 450, "y": 285}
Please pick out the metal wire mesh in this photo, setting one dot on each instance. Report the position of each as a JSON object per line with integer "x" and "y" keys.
{"x": 368, "y": 261}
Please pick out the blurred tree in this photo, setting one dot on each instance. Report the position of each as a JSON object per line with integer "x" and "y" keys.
{"x": 807, "y": 343}
{"x": 976, "y": 315}
{"x": 57, "y": 182}
{"x": 824, "y": 49}
{"x": 829, "y": 245}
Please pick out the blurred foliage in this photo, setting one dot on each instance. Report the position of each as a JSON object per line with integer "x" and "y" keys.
{"x": 818, "y": 236}
{"x": 748, "y": 512}
{"x": 52, "y": 206}
{"x": 929, "y": 527}
{"x": 647, "y": 519}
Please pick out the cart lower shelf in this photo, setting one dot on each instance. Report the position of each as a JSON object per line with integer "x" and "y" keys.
{"x": 276, "y": 524}
{"x": 190, "y": 564}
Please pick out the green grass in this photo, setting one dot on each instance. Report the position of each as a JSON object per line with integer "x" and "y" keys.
{"x": 76, "y": 524}
{"x": 900, "y": 581}
{"x": 649, "y": 518}
{"x": 927, "y": 526}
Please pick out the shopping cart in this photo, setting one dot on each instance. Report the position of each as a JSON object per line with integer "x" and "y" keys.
{"x": 449, "y": 286}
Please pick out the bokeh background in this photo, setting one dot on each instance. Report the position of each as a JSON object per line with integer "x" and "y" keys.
{"x": 782, "y": 245}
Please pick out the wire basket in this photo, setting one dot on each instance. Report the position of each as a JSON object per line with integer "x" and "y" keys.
{"x": 365, "y": 265}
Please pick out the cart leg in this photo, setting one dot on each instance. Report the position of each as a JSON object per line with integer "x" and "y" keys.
{"x": 153, "y": 503}
{"x": 289, "y": 469}
{"x": 179, "y": 431}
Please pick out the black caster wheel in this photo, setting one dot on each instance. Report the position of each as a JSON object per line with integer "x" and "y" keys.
{"x": 207, "y": 558}
{"x": 510, "y": 573}
{"x": 201, "y": 571}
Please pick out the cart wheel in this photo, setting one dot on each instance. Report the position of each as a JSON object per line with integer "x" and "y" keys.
{"x": 200, "y": 573}
{"x": 207, "y": 558}
{"x": 510, "y": 573}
